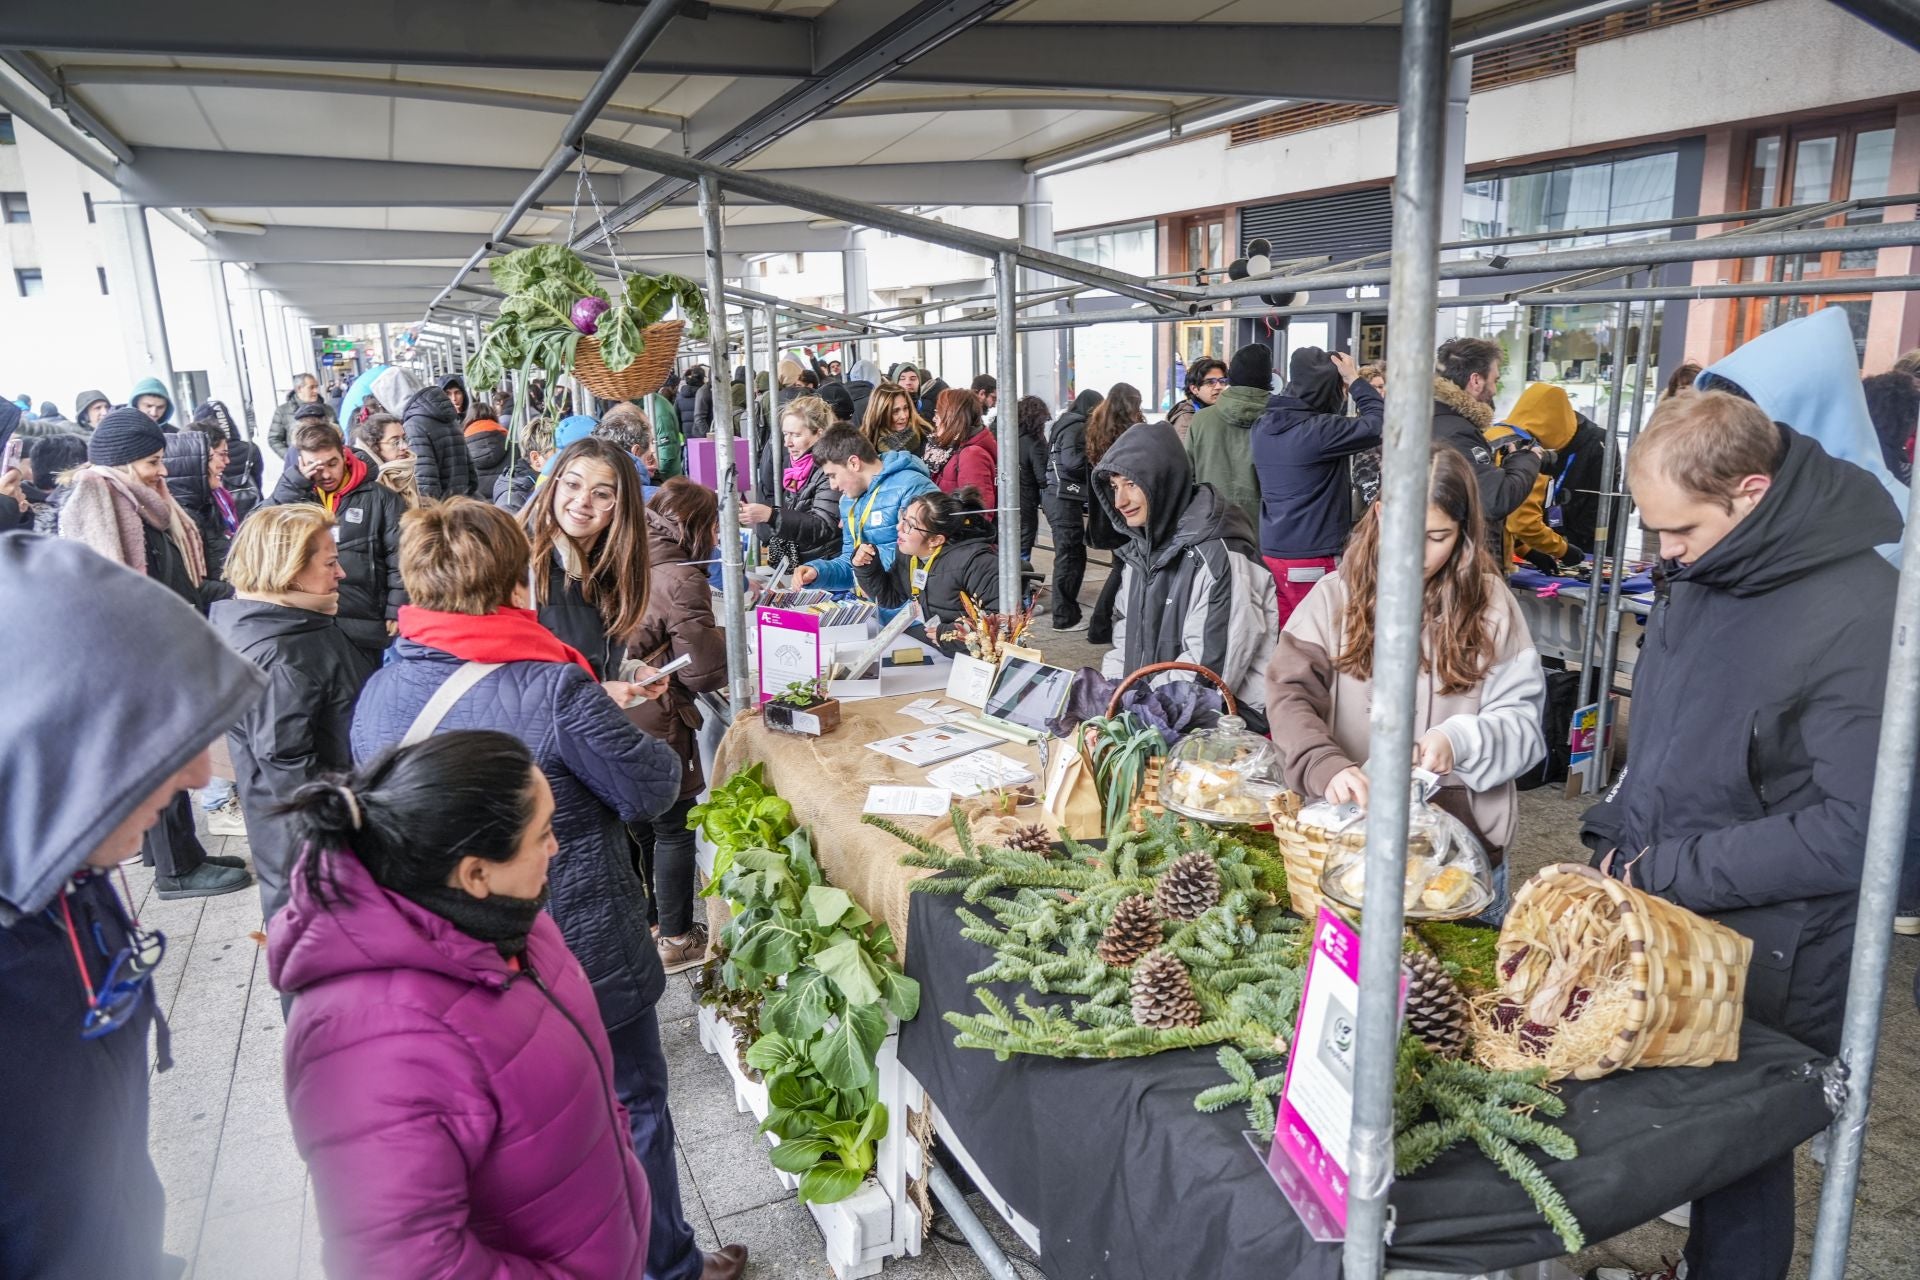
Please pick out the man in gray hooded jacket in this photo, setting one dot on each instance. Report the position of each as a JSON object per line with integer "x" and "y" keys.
{"x": 80, "y": 780}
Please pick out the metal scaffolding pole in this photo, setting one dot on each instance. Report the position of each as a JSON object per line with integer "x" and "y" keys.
{"x": 1006, "y": 277}
{"x": 751, "y": 410}
{"x": 1610, "y": 473}
{"x": 776, "y": 445}
{"x": 1617, "y": 529}
{"x": 733, "y": 585}
{"x": 1887, "y": 821}
{"x": 826, "y": 204}
{"x": 1417, "y": 199}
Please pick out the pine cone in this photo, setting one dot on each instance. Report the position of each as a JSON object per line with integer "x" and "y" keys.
{"x": 1436, "y": 1011}
{"x": 1190, "y": 887}
{"x": 1163, "y": 993}
{"x": 1133, "y": 931}
{"x": 1032, "y": 839}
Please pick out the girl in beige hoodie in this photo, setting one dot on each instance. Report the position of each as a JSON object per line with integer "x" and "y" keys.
{"x": 1477, "y": 708}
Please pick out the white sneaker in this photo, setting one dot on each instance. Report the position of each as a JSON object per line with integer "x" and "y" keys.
{"x": 226, "y": 820}
{"x": 1906, "y": 925}
{"x": 1667, "y": 1271}
{"x": 1681, "y": 1217}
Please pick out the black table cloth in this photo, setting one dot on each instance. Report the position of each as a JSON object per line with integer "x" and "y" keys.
{"x": 1126, "y": 1181}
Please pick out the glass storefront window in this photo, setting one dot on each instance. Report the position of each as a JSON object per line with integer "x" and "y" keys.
{"x": 1582, "y": 196}
{"x": 1104, "y": 354}
{"x": 1872, "y": 172}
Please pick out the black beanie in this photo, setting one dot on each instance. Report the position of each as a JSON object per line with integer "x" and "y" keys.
{"x": 125, "y": 435}
{"x": 1251, "y": 366}
{"x": 308, "y": 412}
{"x": 838, "y": 399}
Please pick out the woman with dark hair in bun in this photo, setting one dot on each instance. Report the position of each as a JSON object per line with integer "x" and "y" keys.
{"x": 946, "y": 550}
{"x": 449, "y": 1083}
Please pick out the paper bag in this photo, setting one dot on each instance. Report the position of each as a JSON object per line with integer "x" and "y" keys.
{"x": 1073, "y": 802}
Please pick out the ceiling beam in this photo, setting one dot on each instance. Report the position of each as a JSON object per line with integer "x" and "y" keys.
{"x": 932, "y": 105}
{"x": 1227, "y": 59}
{"x": 22, "y": 101}
{"x": 190, "y": 178}
{"x": 31, "y": 68}
{"x": 368, "y": 86}
{"x": 342, "y": 244}
{"x": 969, "y": 182}
{"x": 856, "y": 43}
{"x": 573, "y": 36}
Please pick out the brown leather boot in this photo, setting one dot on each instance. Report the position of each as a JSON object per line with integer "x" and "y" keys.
{"x": 729, "y": 1262}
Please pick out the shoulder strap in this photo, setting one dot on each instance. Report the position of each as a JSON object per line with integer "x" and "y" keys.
{"x": 444, "y": 698}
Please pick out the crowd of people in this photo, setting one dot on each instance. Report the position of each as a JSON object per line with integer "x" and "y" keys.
{"x": 434, "y": 646}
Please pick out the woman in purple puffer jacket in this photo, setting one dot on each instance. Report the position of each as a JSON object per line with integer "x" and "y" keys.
{"x": 449, "y": 1082}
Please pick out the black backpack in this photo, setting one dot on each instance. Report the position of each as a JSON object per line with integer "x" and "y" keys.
{"x": 1556, "y": 721}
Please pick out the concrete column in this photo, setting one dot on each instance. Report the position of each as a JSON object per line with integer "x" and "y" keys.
{"x": 143, "y": 321}
{"x": 1045, "y": 371}
{"x": 264, "y": 341}
{"x": 857, "y": 297}
{"x": 1453, "y": 182}
{"x": 241, "y": 398}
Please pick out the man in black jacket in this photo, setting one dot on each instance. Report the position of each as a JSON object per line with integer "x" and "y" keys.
{"x": 1756, "y": 721}
{"x": 1463, "y": 395}
{"x": 366, "y": 529}
{"x": 1065, "y": 503}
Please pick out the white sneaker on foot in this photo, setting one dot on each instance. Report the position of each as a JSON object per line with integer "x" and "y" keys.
{"x": 1681, "y": 1217}
{"x": 226, "y": 820}
{"x": 1906, "y": 924}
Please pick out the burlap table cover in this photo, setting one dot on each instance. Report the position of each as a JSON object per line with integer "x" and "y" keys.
{"x": 826, "y": 779}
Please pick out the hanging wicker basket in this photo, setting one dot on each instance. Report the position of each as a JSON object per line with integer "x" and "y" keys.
{"x": 660, "y": 346}
{"x": 1598, "y": 977}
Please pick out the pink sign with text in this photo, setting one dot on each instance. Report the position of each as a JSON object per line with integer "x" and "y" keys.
{"x": 1316, "y": 1103}
{"x": 789, "y": 646}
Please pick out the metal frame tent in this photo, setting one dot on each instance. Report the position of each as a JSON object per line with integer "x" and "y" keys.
{"x": 768, "y": 77}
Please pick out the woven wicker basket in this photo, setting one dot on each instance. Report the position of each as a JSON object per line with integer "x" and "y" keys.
{"x": 1147, "y": 803}
{"x": 1686, "y": 976}
{"x": 660, "y": 345}
{"x": 1304, "y": 851}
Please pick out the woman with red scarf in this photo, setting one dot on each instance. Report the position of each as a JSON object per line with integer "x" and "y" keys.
{"x": 473, "y": 655}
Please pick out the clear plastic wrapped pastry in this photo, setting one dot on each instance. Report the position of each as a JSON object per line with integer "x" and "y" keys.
{"x": 1225, "y": 774}
{"x": 1448, "y": 874}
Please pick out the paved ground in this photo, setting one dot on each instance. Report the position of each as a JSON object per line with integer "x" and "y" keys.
{"x": 240, "y": 1208}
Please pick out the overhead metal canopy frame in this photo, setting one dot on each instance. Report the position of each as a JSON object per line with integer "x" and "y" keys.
{"x": 788, "y": 131}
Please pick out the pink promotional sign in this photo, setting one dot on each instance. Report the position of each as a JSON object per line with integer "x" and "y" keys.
{"x": 1311, "y": 1141}
{"x": 789, "y": 644}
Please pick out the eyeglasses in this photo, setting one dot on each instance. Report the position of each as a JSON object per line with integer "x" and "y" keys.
{"x": 908, "y": 526}
{"x": 129, "y": 976}
{"x": 1213, "y": 382}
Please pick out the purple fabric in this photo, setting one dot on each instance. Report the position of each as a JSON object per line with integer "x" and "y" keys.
{"x": 457, "y": 1119}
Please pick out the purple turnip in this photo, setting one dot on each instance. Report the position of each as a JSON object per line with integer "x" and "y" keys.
{"x": 586, "y": 314}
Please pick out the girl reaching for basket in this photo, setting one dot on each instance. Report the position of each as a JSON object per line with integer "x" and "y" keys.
{"x": 1477, "y": 711}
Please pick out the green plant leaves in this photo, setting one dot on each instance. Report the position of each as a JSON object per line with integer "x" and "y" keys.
{"x": 773, "y": 1053}
{"x": 826, "y": 904}
{"x": 797, "y": 1155}
{"x": 852, "y": 972}
{"x": 902, "y": 995}
{"x": 827, "y": 1183}
{"x": 771, "y": 949}
{"x": 802, "y": 1007}
{"x": 843, "y": 1055}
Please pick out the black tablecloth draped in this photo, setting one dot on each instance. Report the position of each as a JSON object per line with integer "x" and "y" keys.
{"x": 1126, "y": 1181}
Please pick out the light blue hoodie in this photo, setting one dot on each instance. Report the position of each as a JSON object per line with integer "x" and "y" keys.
{"x": 1806, "y": 374}
{"x": 902, "y": 478}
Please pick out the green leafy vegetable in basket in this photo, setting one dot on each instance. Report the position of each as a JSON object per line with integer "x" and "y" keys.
{"x": 553, "y": 300}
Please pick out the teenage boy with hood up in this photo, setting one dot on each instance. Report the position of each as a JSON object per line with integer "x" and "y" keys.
{"x": 1543, "y": 415}
{"x": 80, "y": 781}
{"x": 1300, "y": 449}
{"x": 1195, "y": 590}
{"x": 1757, "y": 705}
{"x": 150, "y": 397}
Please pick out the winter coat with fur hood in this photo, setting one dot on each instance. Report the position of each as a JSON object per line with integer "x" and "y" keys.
{"x": 1460, "y": 422}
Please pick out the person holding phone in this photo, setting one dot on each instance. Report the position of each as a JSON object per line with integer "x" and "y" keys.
{"x": 683, "y": 526}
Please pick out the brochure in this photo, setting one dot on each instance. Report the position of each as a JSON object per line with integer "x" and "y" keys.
{"x": 923, "y": 747}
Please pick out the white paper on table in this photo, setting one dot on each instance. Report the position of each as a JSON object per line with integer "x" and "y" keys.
{"x": 924, "y": 802}
{"x": 931, "y": 746}
{"x": 930, "y": 711}
{"x": 981, "y": 771}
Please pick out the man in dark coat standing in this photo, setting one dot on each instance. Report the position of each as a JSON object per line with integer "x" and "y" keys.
{"x": 442, "y": 468}
{"x": 1065, "y": 503}
{"x": 80, "y": 780}
{"x": 1463, "y": 395}
{"x": 1756, "y": 721}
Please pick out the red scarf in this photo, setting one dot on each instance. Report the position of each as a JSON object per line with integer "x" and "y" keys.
{"x": 356, "y": 471}
{"x": 505, "y": 635}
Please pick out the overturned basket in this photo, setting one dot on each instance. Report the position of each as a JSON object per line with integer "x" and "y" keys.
{"x": 1598, "y": 977}
{"x": 660, "y": 344}
{"x": 1304, "y": 850}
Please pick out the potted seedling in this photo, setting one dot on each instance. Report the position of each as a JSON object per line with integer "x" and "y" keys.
{"x": 804, "y": 708}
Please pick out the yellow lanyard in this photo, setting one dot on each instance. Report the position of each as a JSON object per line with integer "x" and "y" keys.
{"x": 856, "y": 523}
{"x": 919, "y": 579}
